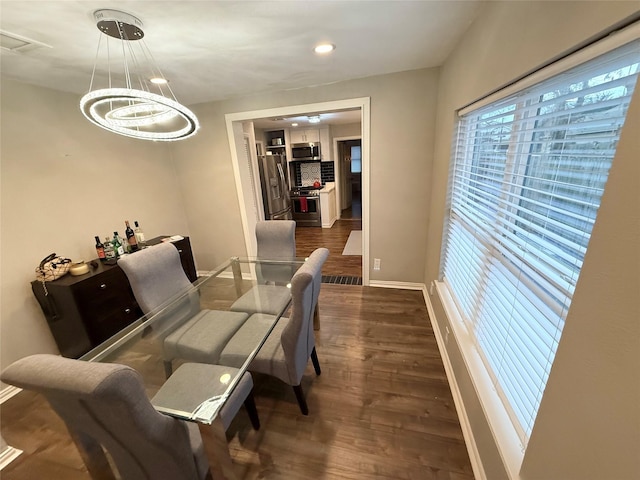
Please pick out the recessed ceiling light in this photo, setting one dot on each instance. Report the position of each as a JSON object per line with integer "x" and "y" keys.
{"x": 294, "y": 124}
{"x": 324, "y": 48}
{"x": 159, "y": 80}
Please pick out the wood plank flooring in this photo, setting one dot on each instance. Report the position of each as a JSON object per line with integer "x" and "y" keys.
{"x": 334, "y": 238}
{"x": 382, "y": 408}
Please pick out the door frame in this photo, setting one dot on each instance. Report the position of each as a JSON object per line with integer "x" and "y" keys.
{"x": 242, "y": 174}
{"x": 339, "y": 179}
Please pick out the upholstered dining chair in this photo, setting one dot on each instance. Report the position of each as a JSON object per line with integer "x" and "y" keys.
{"x": 290, "y": 344}
{"x": 276, "y": 240}
{"x": 105, "y": 406}
{"x": 156, "y": 275}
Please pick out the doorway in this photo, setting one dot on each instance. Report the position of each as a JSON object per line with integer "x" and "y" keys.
{"x": 242, "y": 171}
{"x": 350, "y": 164}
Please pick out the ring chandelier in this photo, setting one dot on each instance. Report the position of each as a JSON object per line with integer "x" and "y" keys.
{"x": 134, "y": 112}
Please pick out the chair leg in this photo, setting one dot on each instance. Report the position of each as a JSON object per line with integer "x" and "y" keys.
{"x": 250, "y": 405}
{"x": 301, "y": 401}
{"x": 314, "y": 360}
{"x": 168, "y": 368}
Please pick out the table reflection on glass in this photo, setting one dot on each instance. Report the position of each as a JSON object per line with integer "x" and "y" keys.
{"x": 162, "y": 340}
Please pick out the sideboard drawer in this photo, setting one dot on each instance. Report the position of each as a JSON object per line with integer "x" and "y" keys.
{"x": 99, "y": 296}
{"x": 103, "y": 328}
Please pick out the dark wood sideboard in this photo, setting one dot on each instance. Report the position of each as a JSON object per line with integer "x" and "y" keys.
{"x": 83, "y": 311}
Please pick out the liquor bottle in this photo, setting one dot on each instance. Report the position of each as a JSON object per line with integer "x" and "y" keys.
{"x": 100, "y": 250}
{"x": 131, "y": 237}
{"x": 109, "y": 252}
{"x": 117, "y": 245}
{"x": 123, "y": 244}
{"x": 139, "y": 235}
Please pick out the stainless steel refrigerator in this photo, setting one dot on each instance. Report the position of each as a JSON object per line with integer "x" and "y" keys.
{"x": 275, "y": 187}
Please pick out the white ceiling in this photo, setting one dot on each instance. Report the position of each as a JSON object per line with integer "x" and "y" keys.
{"x": 213, "y": 50}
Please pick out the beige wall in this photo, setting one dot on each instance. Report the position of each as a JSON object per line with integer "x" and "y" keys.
{"x": 402, "y": 124}
{"x": 588, "y": 423}
{"x": 63, "y": 182}
{"x": 346, "y": 130}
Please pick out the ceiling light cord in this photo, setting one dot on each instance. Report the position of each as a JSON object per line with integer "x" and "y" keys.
{"x": 95, "y": 62}
{"x": 156, "y": 71}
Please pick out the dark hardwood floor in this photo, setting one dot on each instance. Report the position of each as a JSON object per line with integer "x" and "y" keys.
{"x": 334, "y": 238}
{"x": 382, "y": 408}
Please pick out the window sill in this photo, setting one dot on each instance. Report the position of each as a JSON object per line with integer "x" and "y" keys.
{"x": 506, "y": 438}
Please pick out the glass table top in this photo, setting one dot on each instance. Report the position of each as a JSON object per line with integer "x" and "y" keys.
{"x": 178, "y": 348}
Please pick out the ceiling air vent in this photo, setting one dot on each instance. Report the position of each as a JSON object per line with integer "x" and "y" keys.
{"x": 18, "y": 43}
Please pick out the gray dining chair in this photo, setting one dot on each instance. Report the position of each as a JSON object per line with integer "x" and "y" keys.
{"x": 105, "y": 406}
{"x": 288, "y": 347}
{"x": 186, "y": 331}
{"x": 276, "y": 240}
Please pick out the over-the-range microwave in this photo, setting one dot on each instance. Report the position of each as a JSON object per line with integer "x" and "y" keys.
{"x": 305, "y": 151}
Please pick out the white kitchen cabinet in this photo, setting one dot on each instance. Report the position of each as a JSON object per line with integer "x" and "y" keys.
{"x": 326, "y": 146}
{"x": 328, "y": 211}
{"x": 300, "y": 135}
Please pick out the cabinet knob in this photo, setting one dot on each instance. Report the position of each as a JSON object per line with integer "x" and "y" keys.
{"x": 103, "y": 286}
{"x": 179, "y": 251}
{"x": 127, "y": 310}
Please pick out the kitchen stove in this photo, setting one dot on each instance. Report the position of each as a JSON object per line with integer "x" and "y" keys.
{"x": 305, "y": 206}
{"x": 305, "y": 192}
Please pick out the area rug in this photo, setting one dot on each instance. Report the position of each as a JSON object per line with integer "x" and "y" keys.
{"x": 354, "y": 243}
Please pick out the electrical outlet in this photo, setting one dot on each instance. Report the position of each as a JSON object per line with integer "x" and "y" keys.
{"x": 376, "y": 264}
{"x": 432, "y": 287}
{"x": 446, "y": 336}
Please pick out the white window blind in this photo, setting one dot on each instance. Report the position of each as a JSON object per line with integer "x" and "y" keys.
{"x": 528, "y": 172}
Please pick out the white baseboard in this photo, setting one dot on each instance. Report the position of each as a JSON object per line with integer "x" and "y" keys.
{"x": 329, "y": 224}
{"x": 467, "y": 432}
{"x": 8, "y": 455}
{"x": 399, "y": 285}
{"x": 8, "y": 392}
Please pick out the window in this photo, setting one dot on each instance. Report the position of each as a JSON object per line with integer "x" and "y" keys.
{"x": 356, "y": 160}
{"x": 528, "y": 172}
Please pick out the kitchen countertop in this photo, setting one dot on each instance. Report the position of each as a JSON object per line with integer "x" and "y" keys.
{"x": 328, "y": 187}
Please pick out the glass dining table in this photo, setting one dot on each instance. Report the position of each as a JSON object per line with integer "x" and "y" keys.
{"x": 143, "y": 345}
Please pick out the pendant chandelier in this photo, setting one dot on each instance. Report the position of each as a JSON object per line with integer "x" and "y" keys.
{"x": 135, "y": 100}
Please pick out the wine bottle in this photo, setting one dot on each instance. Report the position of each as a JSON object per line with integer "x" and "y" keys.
{"x": 131, "y": 237}
{"x": 117, "y": 245}
{"x": 139, "y": 235}
{"x": 109, "y": 252}
{"x": 100, "y": 249}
